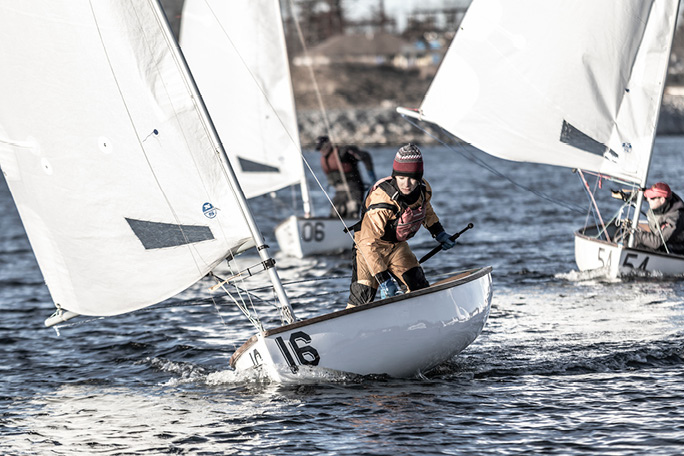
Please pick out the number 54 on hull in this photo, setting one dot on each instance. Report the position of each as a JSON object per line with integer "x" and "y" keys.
{"x": 618, "y": 260}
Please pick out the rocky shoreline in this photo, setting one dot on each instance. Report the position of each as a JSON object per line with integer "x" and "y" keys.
{"x": 383, "y": 126}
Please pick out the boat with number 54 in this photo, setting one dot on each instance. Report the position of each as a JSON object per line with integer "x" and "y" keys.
{"x": 128, "y": 196}
{"x": 576, "y": 84}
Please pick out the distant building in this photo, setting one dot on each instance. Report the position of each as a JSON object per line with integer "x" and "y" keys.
{"x": 366, "y": 49}
{"x": 374, "y": 49}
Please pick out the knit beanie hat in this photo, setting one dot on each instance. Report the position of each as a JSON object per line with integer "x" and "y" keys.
{"x": 321, "y": 141}
{"x": 408, "y": 162}
{"x": 658, "y": 189}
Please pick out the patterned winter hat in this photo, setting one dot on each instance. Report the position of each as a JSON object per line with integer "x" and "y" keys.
{"x": 658, "y": 189}
{"x": 408, "y": 162}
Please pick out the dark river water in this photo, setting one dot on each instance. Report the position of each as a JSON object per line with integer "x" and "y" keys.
{"x": 567, "y": 364}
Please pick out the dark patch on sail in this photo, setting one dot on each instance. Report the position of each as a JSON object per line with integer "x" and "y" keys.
{"x": 155, "y": 235}
{"x": 249, "y": 166}
{"x": 575, "y": 138}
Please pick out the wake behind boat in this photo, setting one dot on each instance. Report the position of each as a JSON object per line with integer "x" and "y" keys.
{"x": 128, "y": 196}
{"x": 577, "y": 85}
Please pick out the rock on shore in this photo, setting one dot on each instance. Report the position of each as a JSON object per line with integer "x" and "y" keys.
{"x": 383, "y": 126}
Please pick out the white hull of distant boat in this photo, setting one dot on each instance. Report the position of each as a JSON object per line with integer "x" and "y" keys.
{"x": 400, "y": 337}
{"x": 304, "y": 236}
{"x": 617, "y": 260}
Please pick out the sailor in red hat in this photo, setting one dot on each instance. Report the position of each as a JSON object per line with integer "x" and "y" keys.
{"x": 393, "y": 211}
{"x": 665, "y": 221}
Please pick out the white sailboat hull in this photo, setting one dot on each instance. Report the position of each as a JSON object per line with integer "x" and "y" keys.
{"x": 618, "y": 260}
{"x": 400, "y": 337}
{"x": 302, "y": 237}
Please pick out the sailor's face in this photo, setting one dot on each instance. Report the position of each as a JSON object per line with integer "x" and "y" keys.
{"x": 656, "y": 202}
{"x": 406, "y": 184}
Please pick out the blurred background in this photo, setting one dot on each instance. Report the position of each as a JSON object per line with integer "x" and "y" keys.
{"x": 370, "y": 56}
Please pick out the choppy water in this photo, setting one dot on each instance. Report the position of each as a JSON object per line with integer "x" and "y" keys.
{"x": 567, "y": 364}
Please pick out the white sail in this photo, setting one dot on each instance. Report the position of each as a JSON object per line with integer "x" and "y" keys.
{"x": 121, "y": 189}
{"x": 574, "y": 83}
{"x": 236, "y": 51}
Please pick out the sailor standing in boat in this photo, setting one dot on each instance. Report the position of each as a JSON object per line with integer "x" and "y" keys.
{"x": 665, "y": 220}
{"x": 394, "y": 210}
{"x": 341, "y": 166}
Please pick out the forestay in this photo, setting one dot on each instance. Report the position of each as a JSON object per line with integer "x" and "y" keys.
{"x": 236, "y": 51}
{"x": 574, "y": 83}
{"x": 117, "y": 180}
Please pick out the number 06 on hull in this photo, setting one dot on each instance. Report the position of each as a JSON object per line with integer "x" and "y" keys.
{"x": 305, "y": 236}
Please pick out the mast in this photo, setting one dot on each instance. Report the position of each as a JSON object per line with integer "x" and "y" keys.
{"x": 642, "y": 184}
{"x": 262, "y": 248}
{"x": 306, "y": 197}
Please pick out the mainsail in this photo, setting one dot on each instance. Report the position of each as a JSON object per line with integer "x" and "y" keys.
{"x": 237, "y": 54}
{"x": 115, "y": 172}
{"x": 575, "y": 83}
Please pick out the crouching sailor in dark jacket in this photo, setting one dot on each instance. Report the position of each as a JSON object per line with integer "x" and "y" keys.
{"x": 393, "y": 212}
{"x": 665, "y": 220}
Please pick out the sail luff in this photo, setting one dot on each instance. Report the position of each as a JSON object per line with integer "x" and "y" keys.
{"x": 668, "y": 55}
{"x": 261, "y": 246}
{"x": 642, "y": 184}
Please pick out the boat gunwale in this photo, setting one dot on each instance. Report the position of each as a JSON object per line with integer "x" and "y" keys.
{"x": 625, "y": 248}
{"x": 460, "y": 278}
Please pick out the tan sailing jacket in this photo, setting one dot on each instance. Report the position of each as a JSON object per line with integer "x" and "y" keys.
{"x": 373, "y": 242}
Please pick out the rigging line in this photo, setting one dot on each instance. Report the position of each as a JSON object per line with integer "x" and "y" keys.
{"x": 589, "y": 210}
{"x": 493, "y": 170}
{"x": 610, "y": 178}
{"x": 324, "y": 114}
{"x": 317, "y": 90}
{"x": 593, "y": 201}
{"x": 254, "y": 319}
{"x": 660, "y": 232}
{"x": 327, "y": 196}
{"x": 274, "y": 111}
